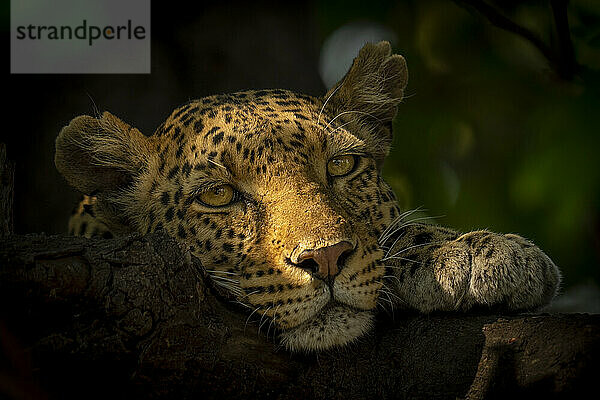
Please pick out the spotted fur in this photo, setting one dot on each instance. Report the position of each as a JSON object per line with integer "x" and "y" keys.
{"x": 273, "y": 147}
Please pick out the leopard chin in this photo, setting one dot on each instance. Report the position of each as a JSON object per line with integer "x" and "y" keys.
{"x": 335, "y": 326}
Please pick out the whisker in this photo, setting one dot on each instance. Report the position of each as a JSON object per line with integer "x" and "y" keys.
{"x": 391, "y": 310}
{"x": 392, "y": 276}
{"x": 249, "y": 316}
{"x": 222, "y": 278}
{"x": 243, "y": 304}
{"x": 393, "y": 295}
{"x": 387, "y": 253}
{"x": 412, "y": 247}
{"x": 388, "y": 294}
{"x": 94, "y": 107}
{"x": 400, "y": 218}
{"x": 226, "y": 282}
{"x": 327, "y": 101}
{"x": 231, "y": 289}
{"x": 216, "y": 163}
{"x": 399, "y": 237}
{"x": 401, "y": 258}
{"x": 411, "y": 222}
{"x": 221, "y": 272}
{"x": 348, "y": 112}
{"x": 272, "y": 321}
{"x": 341, "y": 126}
{"x": 427, "y": 217}
{"x": 261, "y": 318}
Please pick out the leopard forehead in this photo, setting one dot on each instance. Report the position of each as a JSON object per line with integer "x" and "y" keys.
{"x": 245, "y": 126}
{"x": 257, "y": 139}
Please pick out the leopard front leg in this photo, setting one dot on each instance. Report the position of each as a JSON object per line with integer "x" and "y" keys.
{"x": 433, "y": 268}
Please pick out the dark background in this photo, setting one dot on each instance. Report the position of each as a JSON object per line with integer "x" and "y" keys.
{"x": 492, "y": 133}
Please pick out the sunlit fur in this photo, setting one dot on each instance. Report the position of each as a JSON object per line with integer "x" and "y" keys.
{"x": 287, "y": 204}
{"x": 273, "y": 147}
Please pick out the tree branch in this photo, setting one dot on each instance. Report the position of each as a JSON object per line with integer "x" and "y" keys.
{"x": 562, "y": 60}
{"x": 133, "y": 317}
{"x": 567, "y": 63}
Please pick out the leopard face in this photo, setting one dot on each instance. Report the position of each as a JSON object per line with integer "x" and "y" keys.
{"x": 278, "y": 194}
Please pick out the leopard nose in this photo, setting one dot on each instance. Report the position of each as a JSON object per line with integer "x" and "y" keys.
{"x": 325, "y": 261}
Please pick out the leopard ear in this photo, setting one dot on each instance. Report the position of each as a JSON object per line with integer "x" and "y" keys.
{"x": 369, "y": 95}
{"x": 102, "y": 157}
{"x": 100, "y": 154}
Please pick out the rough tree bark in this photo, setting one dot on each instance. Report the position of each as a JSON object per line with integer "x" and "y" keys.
{"x": 134, "y": 317}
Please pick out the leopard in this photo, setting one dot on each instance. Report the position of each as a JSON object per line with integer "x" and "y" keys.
{"x": 280, "y": 197}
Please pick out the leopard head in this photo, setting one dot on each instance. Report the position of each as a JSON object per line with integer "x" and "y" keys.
{"x": 278, "y": 194}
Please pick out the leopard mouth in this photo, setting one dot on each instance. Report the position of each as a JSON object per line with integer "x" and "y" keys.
{"x": 326, "y": 313}
{"x": 335, "y": 325}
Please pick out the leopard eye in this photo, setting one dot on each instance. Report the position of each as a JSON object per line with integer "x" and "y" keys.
{"x": 340, "y": 166}
{"x": 218, "y": 196}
